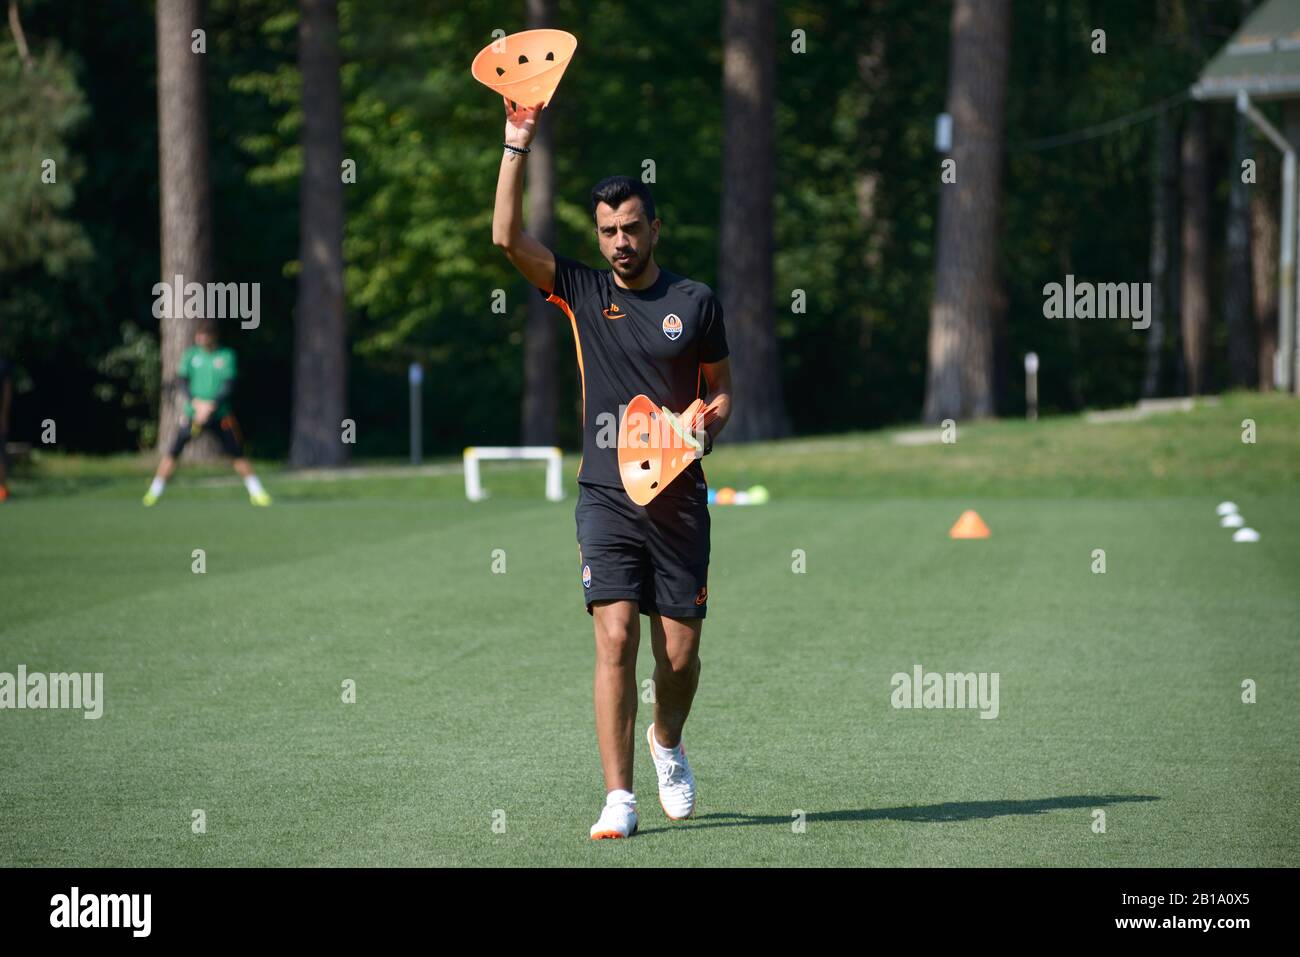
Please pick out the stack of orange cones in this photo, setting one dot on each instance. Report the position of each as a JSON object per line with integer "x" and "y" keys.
{"x": 655, "y": 446}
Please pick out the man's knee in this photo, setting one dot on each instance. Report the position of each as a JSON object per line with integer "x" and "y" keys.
{"x": 616, "y": 632}
{"x": 677, "y": 648}
{"x": 682, "y": 666}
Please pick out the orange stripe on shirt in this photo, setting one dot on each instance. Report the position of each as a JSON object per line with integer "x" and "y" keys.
{"x": 582, "y": 375}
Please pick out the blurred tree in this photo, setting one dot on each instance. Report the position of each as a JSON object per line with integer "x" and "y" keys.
{"x": 186, "y": 212}
{"x": 1196, "y": 249}
{"x": 1164, "y": 222}
{"x": 959, "y": 383}
{"x": 1196, "y": 196}
{"x": 42, "y": 244}
{"x": 1238, "y": 318}
{"x": 1242, "y": 372}
{"x": 320, "y": 332}
{"x": 745, "y": 219}
{"x": 540, "y": 396}
{"x": 93, "y": 114}
{"x": 1265, "y": 203}
{"x": 40, "y": 105}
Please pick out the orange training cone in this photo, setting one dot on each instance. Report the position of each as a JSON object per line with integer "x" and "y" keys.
{"x": 654, "y": 446}
{"x": 970, "y": 525}
{"x": 525, "y": 67}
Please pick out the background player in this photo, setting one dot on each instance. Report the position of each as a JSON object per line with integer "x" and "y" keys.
{"x": 207, "y": 374}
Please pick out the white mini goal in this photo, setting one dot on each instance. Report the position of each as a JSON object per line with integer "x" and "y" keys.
{"x": 474, "y": 490}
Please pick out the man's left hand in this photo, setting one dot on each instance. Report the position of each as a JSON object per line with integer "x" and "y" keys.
{"x": 706, "y": 442}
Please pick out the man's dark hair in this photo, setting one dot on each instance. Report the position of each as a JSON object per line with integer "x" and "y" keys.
{"x": 613, "y": 191}
{"x": 208, "y": 326}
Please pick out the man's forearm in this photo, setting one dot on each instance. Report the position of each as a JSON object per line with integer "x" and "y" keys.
{"x": 716, "y": 412}
{"x": 508, "y": 213}
{"x": 718, "y": 406}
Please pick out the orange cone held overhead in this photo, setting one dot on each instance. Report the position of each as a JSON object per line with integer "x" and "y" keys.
{"x": 970, "y": 525}
{"x": 525, "y": 67}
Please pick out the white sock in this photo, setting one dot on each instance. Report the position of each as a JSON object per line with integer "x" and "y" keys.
{"x": 619, "y": 796}
{"x": 253, "y": 485}
{"x": 157, "y": 485}
{"x": 661, "y": 749}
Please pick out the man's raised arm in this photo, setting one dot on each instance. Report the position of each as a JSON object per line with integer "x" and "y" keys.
{"x": 535, "y": 261}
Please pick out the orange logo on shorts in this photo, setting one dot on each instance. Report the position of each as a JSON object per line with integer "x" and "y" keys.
{"x": 703, "y": 596}
{"x": 672, "y": 326}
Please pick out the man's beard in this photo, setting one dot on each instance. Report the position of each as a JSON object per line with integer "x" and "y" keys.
{"x": 634, "y": 268}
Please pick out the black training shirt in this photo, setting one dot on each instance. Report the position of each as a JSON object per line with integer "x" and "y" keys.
{"x": 632, "y": 341}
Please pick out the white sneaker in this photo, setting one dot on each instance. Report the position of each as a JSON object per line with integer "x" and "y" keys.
{"x": 676, "y": 781}
{"x": 617, "y": 818}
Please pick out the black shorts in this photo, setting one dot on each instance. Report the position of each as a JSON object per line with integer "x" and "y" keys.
{"x": 227, "y": 429}
{"x": 657, "y": 555}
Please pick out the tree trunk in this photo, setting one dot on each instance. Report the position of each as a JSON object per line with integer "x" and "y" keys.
{"x": 959, "y": 378}
{"x": 540, "y": 399}
{"x": 1196, "y": 250}
{"x": 184, "y": 204}
{"x": 1291, "y": 130}
{"x": 1174, "y": 330}
{"x": 1242, "y": 371}
{"x": 320, "y": 331}
{"x": 745, "y": 253}
{"x": 1164, "y": 210}
{"x": 1265, "y": 235}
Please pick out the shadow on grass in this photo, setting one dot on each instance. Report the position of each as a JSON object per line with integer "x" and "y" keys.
{"x": 921, "y": 814}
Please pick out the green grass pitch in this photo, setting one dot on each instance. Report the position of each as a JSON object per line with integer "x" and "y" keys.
{"x": 1119, "y": 692}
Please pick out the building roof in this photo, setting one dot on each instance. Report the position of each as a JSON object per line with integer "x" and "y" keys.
{"x": 1262, "y": 58}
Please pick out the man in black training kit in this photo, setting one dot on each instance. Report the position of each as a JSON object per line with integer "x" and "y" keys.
{"x": 637, "y": 329}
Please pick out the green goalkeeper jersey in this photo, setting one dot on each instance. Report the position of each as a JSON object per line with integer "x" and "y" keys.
{"x": 211, "y": 375}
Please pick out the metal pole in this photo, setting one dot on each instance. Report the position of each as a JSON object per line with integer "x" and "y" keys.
{"x": 1284, "y": 360}
{"x": 1292, "y": 113}
{"x": 416, "y": 377}
{"x": 1031, "y": 386}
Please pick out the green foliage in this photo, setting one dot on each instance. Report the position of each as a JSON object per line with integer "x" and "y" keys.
{"x": 86, "y": 249}
{"x": 40, "y": 107}
{"x": 132, "y": 382}
{"x": 857, "y": 190}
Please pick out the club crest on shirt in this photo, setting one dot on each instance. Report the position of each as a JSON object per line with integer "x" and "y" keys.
{"x": 672, "y": 325}
{"x": 586, "y": 576}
